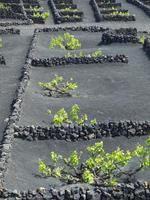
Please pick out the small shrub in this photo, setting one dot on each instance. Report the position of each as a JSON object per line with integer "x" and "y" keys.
{"x": 43, "y": 15}
{"x": 142, "y": 39}
{"x": 73, "y": 116}
{"x": 72, "y": 17}
{"x": 100, "y": 168}
{"x": 94, "y": 54}
{"x": 4, "y": 6}
{"x": 120, "y": 13}
{"x": 37, "y": 12}
{"x": 66, "y": 41}
{"x": 69, "y": 10}
{"x": 58, "y": 87}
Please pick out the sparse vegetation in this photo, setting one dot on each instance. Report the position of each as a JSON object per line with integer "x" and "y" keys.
{"x": 43, "y": 15}
{"x": 94, "y": 54}
{"x": 58, "y": 86}
{"x": 73, "y": 116}
{"x": 120, "y": 13}
{"x": 142, "y": 39}
{"x": 100, "y": 168}
{"x": 69, "y": 10}
{"x": 4, "y": 6}
{"x": 65, "y": 41}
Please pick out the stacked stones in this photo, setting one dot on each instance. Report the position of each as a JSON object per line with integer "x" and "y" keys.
{"x": 12, "y": 10}
{"x": 146, "y": 46}
{"x": 110, "y": 10}
{"x": 85, "y": 132}
{"x": 61, "y": 15}
{"x": 56, "y": 61}
{"x": 137, "y": 191}
{"x": 141, "y": 4}
{"x": 9, "y": 31}
{"x": 119, "y": 36}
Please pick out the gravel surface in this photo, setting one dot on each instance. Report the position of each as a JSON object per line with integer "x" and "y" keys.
{"x": 22, "y": 171}
{"x": 111, "y": 91}
{"x": 14, "y": 50}
{"x": 106, "y": 91}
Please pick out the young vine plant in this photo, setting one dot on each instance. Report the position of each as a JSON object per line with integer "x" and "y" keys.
{"x": 72, "y": 117}
{"x": 65, "y": 41}
{"x": 69, "y": 10}
{"x": 4, "y": 6}
{"x": 58, "y": 86}
{"x": 100, "y": 168}
{"x": 94, "y": 54}
{"x": 38, "y": 12}
{"x": 142, "y": 39}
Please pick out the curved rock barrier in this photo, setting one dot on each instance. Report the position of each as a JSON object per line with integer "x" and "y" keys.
{"x": 122, "y": 191}
{"x": 10, "y": 31}
{"x": 84, "y": 132}
{"x": 130, "y": 30}
{"x": 136, "y": 191}
{"x": 119, "y": 18}
{"x": 74, "y": 28}
{"x": 96, "y": 11}
{"x": 11, "y": 15}
{"x": 110, "y": 11}
{"x": 119, "y": 36}
{"x": 56, "y": 61}
{"x": 56, "y": 15}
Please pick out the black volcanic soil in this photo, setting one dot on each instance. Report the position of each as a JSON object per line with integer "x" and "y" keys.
{"x": 142, "y": 20}
{"x": 23, "y": 169}
{"x": 106, "y": 91}
{"x": 14, "y": 49}
{"x": 89, "y": 17}
{"x": 42, "y": 49}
